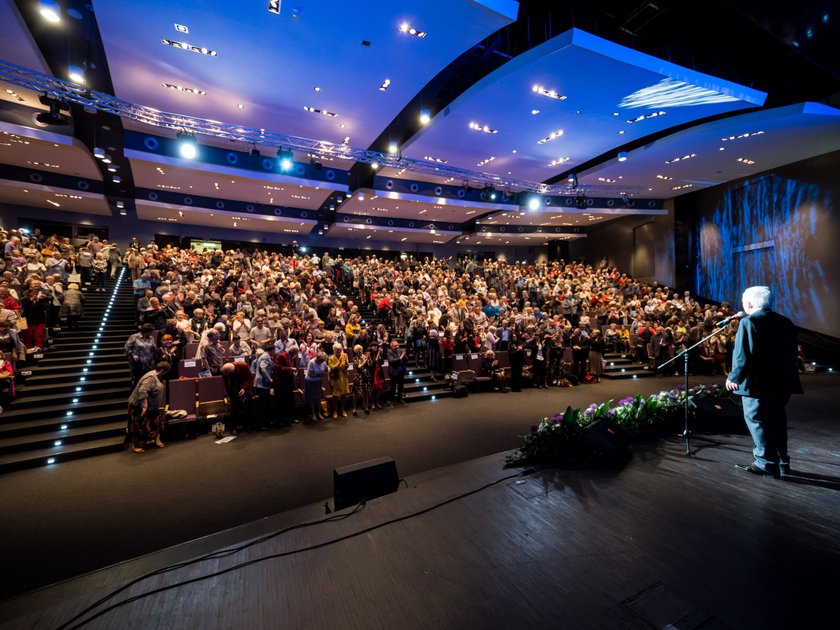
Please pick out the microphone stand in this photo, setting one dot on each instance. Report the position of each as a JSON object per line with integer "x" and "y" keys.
{"x": 687, "y": 403}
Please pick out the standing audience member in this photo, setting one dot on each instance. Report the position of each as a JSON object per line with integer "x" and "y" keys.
{"x": 140, "y": 350}
{"x": 144, "y": 422}
{"x": 313, "y": 391}
{"x": 396, "y": 372}
{"x": 239, "y": 385}
{"x": 263, "y": 372}
{"x": 339, "y": 380}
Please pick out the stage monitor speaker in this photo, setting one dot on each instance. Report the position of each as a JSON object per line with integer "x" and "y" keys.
{"x": 365, "y": 480}
{"x": 717, "y": 414}
{"x": 606, "y": 438}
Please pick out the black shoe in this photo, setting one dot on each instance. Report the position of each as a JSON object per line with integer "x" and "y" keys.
{"x": 785, "y": 470}
{"x": 755, "y": 469}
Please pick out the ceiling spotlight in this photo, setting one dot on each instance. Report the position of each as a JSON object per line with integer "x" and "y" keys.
{"x": 425, "y": 116}
{"x": 374, "y": 165}
{"x": 622, "y": 156}
{"x": 533, "y": 203}
{"x": 76, "y": 74}
{"x": 187, "y": 145}
{"x": 285, "y": 158}
{"x": 393, "y": 147}
{"x": 572, "y": 180}
{"x": 54, "y": 116}
{"x": 50, "y": 11}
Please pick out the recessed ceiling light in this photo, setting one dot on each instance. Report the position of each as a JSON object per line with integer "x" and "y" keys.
{"x": 274, "y": 6}
{"x": 645, "y": 117}
{"x": 240, "y": 106}
{"x": 485, "y": 128}
{"x": 681, "y": 159}
{"x": 534, "y": 112}
{"x": 559, "y": 161}
{"x": 552, "y": 136}
{"x": 746, "y": 160}
{"x": 385, "y": 85}
{"x": 406, "y": 28}
{"x": 486, "y": 161}
{"x": 539, "y": 89}
{"x": 742, "y": 136}
{"x": 181, "y": 28}
{"x": 317, "y": 88}
{"x": 181, "y": 88}
{"x": 315, "y": 110}
{"x": 190, "y": 47}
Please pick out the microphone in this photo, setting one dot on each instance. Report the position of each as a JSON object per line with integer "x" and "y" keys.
{"x": 726, "y": 320}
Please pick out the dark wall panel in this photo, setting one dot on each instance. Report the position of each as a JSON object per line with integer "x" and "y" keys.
{"x": 780, "y": 229}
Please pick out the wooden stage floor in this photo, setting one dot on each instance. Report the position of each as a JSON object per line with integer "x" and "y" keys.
{"x": 667, "y": 539}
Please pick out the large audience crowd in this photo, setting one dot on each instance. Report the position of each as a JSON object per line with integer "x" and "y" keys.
{"x": 258, "y": 318}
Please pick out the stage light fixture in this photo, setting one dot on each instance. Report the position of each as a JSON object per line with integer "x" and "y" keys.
{"x": 254, "y": 152}
{"x": 54, "y": 116}
{"x": 622, "y": 156}
{"x": 50, "y": 11}
{"x": 425, "y": 116}
{"x": 580, "y": 202}
{"x": 286, "y": 159}
{"x": 572, "y": 180}
{"x": 187, "y": 145}
{"x": 76, "y": 74}
{"x": 534, "y": 203}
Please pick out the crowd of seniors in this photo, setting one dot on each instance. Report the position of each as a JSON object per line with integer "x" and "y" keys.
{"x": 40, "y": 281}
{"x": 256, "y": 318}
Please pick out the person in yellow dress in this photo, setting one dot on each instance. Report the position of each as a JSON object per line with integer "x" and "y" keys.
{"x": 339, "y": 380}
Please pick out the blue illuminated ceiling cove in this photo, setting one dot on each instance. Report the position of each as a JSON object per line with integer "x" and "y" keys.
{"x": 512, "y": 97}
{"x": 586, "y": 91}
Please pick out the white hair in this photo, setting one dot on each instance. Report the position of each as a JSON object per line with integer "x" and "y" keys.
{"x": 758, "y": 296}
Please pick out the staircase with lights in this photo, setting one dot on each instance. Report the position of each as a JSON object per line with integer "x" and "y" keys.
{"x": 74, "y": 403}
{"x": 419, "y": 384}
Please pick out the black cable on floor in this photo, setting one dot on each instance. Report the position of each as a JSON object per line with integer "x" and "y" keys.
{"x": 236, "y": 567}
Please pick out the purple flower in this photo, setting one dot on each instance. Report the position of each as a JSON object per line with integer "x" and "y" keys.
{"x": 626, "y": 401}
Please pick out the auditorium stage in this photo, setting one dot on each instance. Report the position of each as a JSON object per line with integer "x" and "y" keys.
{"x": 664, "y": 537}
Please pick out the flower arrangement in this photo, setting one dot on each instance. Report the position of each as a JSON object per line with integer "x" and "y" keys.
{"x": 561, "y": 436}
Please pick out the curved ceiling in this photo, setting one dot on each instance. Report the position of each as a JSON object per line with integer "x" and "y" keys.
{"x": 503, "y": 80}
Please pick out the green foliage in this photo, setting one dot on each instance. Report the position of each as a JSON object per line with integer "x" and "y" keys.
{"x": 561, "y": 436}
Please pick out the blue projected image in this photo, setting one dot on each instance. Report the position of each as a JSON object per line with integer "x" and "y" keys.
{"x": 774, "y": 231}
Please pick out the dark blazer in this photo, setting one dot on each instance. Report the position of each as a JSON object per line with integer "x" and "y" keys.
{"x": 764, "y": 356}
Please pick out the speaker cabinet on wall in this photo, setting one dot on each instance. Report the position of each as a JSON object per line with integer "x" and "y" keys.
{"x": 365, "y": 480}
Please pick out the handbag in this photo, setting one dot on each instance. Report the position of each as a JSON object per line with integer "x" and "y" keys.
{"x": 21, "y": 323}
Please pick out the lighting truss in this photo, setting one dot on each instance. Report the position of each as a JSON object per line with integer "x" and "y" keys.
{"x": 106, "y": 103}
